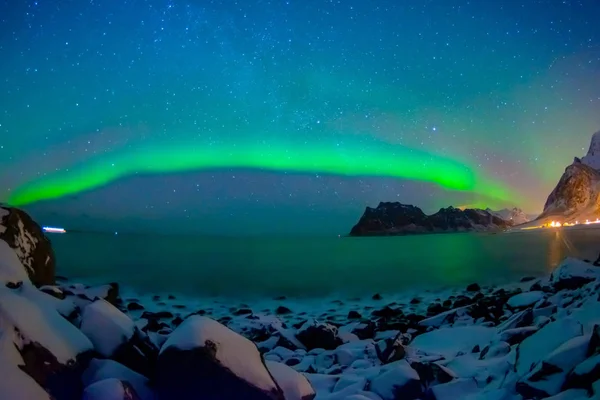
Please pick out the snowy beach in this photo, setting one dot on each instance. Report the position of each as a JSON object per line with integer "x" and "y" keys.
{"x": 532, "y": 339}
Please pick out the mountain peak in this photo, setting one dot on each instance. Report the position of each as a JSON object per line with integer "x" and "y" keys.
{"x": 592, "y": 158}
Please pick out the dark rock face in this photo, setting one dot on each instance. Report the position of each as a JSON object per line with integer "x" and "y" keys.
{"x": 33, "y": 248}
{"x": 574, "y": 193}
{"x": 386, "y": 217}
{"x": 400, "y": 219}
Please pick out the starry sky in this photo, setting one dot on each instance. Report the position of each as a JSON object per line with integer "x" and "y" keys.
{"x": 288, "y": 116}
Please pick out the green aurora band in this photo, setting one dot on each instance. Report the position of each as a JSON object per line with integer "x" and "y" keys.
{"x": 351, "y": 158}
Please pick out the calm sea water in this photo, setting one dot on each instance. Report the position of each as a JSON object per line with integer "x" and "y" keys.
{"x": 315, "y": 266}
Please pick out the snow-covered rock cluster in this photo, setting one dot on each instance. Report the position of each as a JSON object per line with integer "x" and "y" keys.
{"x": 538, "y": 338}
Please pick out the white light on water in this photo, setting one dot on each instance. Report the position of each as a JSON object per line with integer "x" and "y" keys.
{"x": 50, "y": 229}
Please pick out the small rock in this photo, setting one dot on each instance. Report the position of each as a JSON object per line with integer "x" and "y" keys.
{"x": 134, "y": 307}
{"x": 281, "y": 310}
{"x": 473, "y": 287}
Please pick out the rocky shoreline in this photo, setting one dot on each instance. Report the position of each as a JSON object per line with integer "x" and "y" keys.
{"x": 538, "y": 338}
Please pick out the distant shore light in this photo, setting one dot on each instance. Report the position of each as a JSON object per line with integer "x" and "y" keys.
{"x": 51, "y": 229}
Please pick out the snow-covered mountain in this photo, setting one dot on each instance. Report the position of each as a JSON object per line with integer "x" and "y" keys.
{"x": 577, "y": 194}
{"x": 514, "y": 216}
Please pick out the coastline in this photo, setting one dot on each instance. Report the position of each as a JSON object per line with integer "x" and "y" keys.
{"x": 474, "y": 334}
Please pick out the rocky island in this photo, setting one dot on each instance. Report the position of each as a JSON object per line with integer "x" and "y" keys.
{"x": 389, "y": 219}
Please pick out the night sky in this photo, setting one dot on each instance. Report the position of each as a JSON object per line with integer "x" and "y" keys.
{"x": 259, "y": 117}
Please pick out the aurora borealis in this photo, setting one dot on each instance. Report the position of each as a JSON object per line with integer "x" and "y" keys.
{"x": 222, "y": 115}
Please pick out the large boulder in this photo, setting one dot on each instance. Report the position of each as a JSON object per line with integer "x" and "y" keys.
{"x": 573, "y": 273}
{"x": 115, "y": 336}
{"x": 15, "y": 384}
{"x": 27, "y": 239}
{"x": 294, "y": 385}
{"x": 54, "y": 351}
{"x": 204, "y": 359}
{"x": 549, "y": 376}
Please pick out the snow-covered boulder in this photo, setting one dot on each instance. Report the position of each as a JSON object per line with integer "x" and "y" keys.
{"x": 573, "y": 273}
{"x": 432, "y": 374}
{"x": 15, "y": 384}
{"x": 32, "y": 247}
{"x": 318, "y": 335}
{"x": 295, "y": 386}
{"x": 115, "y": 336}
{"x": 106, "y": 326}
{"x": 450, "y": 341}
{"x": 99, "y": 370}
{"x": 533, "y": 349}
{"x": 204, "y": 357}
{"x": 110, "y": 389}
{"x": 585, "y": 374}
{"x": 54, "y": 351}
{"x": 397, "y": 380}
{"x": 548, "y": 377}
{"x": 526, "y": 299}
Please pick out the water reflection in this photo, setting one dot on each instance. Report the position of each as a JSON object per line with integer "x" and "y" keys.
{"x": 556, "y": 249}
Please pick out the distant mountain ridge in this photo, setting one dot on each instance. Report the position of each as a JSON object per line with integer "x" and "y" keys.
{"x": 389, "y": 219}
{"x": 577, "y": 194}
{"x": 514, "y": 216}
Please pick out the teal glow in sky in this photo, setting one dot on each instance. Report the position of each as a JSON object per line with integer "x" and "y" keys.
{"x": 221, "y": 116}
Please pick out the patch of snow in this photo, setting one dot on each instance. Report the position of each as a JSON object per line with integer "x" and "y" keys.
{"x": 106, "y": 326}
{"x": 49, "y": 329}
{"x": 295, "y": 386}
{"x": 234, "y": 352}
{"x": 108, "y": 389}
{"x": 450, "y": 341}
{"x": 525, "y": 299}
{"x": 11, "y": 268}
{"x": 99, "y": 370}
